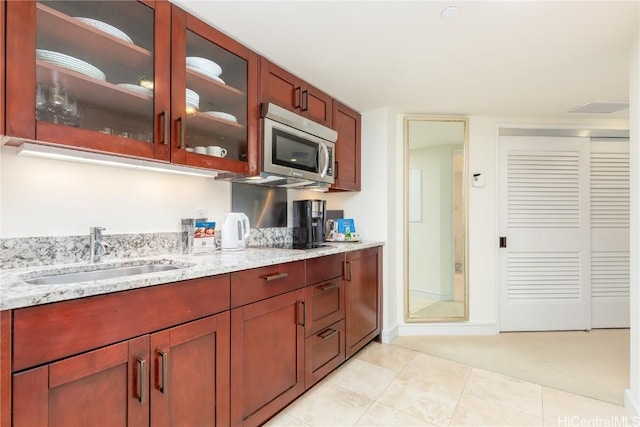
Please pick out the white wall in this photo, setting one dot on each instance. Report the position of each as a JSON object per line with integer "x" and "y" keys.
{"x": 43, "y": 197}
{"x": 372, "y": 207}
{"x": 632, "y": 395}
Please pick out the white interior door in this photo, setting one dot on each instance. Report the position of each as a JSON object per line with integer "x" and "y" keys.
{"x": 610, "y": 233}
{"x": 544, "y": 215}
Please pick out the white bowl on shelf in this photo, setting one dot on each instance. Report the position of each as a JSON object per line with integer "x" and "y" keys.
{"x": 204, "y": 64}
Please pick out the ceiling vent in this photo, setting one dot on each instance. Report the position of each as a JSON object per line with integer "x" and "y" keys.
{"x": 601, "y": 107}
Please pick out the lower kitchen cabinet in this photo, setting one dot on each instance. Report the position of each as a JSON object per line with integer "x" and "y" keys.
{"x": 363, "y": 293}
{"x": 267, "y": 357}
{"x": 101, "y": 387}
{"x": 179, "y": 376}
{"x": 222, "y": 350}
{"x": 324, "y": 352}
{"x": 189, "y": 377}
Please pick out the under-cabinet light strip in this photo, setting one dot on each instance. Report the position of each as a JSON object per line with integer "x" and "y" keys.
{"x": 58, "y": 153}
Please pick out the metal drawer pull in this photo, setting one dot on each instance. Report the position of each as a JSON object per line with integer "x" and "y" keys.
{"x": 165, "y": 127}
{"x": 328, "y": 287}
{"x": 142, "y": 380}
{"x": 162, "y": 386}
{"x": 302, "y": 317}
{"x": 347, "y": 266}
{"x": 276, "y": 276}
{"x": 328, "y": 334}
{"x": 181, "y": 143}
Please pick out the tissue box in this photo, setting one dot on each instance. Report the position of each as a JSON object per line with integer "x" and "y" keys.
{"x": 204, "y": 236}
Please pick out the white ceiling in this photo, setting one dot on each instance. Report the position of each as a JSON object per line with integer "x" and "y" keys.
{"x": 533, "y": 58}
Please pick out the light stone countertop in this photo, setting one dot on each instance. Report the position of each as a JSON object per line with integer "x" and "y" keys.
{"x": 16, "y": 293}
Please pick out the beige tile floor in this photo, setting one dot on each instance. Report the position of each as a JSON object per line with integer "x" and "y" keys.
{"x": 387, "y": 385}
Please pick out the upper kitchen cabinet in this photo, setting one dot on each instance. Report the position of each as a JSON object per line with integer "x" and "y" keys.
{"x": 90, "y": 74}
{"x": 347, "y": 122}
{"x": 214, "y": 98}
{"x": 280, "y": 87}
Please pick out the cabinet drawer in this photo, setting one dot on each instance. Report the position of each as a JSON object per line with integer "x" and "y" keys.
{"x": 324, "y": 352}
{"x": 259, "y": 283}
{"x": 52, "y": 331}
{"x": 324, "y": 268}
{"x": 325, "y": 304}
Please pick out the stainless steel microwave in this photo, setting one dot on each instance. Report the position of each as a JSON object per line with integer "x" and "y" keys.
{"x": 296, "y": 147}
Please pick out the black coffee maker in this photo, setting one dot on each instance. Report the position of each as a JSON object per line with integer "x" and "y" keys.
{"x": 309, "y": 217}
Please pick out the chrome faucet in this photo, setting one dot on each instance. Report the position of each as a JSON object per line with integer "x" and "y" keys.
{"x": 97, "y": 247}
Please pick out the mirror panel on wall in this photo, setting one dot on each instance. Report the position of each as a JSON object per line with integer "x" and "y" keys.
{"x": 435, "y": 219}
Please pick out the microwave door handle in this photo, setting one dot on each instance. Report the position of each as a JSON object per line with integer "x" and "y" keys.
{"x": 326, "y": 159}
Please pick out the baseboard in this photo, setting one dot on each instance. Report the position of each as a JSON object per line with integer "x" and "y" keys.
{"x": 631, "y": 405}
{"x": 387, "y": 336}
{"x": 464, "y": 328}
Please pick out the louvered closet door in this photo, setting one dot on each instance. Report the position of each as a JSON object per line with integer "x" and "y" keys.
{"x": 610, "y": 234}
{"x": 544, "y": 203}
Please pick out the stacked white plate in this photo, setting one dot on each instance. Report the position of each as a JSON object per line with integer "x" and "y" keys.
{"x": 71, "y": 63}
{"x": 136, "y": 88}
{"x": 205, "y": 65}
{"x": 193, "y": 99}
{"x": 221, "y": 115}
{"x": 204, "y": 73}
{"x": 104, "y": 27}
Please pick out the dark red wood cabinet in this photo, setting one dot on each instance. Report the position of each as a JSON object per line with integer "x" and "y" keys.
{"x": 280, "y": 87}
{"x": 363, "y": 293}
{"x": 267, "y": 357}
{"x": 347, "y": 122}
{"x": 84, "y": 362}
{"x": 75, "y": 84}
{"x": 101, "y": 387}
{"x": 232, "y": 349}
{"x": 116, "y": 80}
{"x": 226, "y": 112}
{"x": 267, "y": 344}
{"x": 325, "y": 312}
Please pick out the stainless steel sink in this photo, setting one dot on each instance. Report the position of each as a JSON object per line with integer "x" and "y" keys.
{"x": 105, "y": 273}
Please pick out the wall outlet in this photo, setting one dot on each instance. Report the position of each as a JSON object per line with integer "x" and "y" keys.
{"x": 202, "y": 213}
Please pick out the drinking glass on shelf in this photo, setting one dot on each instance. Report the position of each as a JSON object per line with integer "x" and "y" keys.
{"x": 58, "y": 99}
{"x": 41, "y": 103}
{"x": 72, "y": 113}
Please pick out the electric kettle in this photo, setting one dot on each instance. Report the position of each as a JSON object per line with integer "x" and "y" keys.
{"x": 235, "y": 230}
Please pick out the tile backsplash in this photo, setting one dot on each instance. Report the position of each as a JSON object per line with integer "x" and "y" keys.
{"x": 37, "y": 251}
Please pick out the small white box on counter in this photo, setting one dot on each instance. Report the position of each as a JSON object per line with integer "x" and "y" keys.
{"x": 204, "y": 236}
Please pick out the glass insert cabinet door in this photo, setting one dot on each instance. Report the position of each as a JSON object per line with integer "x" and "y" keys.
{"x": 214, "y": 125}
{"x": 92, "y": 76}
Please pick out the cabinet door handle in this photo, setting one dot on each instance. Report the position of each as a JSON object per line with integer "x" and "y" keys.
{"x": 165, "y": 127}
{"x": 142, "y": 380}
{"x": 302, "y": 316}
{"x": 276, "y": 276}
{"x": 327, "y": 334}
{"x": 304, "y": 103}
{"x": 335, "y": 170}
{"x": 297, "y": 95}
{"x": 181, "y": 133}
{"x": 328, "y": 287}
{"x": 162, "y": 385}
{"x": 347, "y": 272}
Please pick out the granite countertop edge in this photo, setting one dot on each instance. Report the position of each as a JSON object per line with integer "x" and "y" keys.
{"x": 16, "y": 293}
